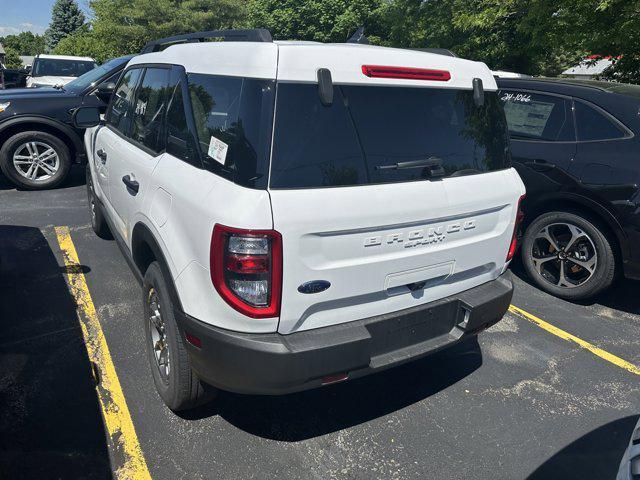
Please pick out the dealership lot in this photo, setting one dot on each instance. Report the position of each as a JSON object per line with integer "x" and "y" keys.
{"x": 520, "y": 402}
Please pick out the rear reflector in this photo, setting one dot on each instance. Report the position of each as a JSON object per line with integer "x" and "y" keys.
{"x": 514, "y": 237}
{"x": 338, "y": 377}
{"x": 380, "y": 71}
{"x": 193, "y": 340}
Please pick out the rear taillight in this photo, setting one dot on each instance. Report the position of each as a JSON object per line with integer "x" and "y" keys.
{"x": 516, "y": 226}
{"x": 381, "y": 71}
{"x": 246, "y": 269}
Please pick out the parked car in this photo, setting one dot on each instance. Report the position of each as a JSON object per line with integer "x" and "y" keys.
{"x": 38, "y": 142}
{"x": 53, "y": 70}
{"x": 576, "y": 145}
{"x": 361, "y": 218}
{"x": 13, "y": 78}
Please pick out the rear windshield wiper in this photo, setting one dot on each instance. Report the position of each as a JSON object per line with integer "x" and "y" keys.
{"x": 433, "y": 165}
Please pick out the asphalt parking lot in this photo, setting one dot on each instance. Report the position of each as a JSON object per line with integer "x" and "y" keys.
{"x": 521, "y": 402}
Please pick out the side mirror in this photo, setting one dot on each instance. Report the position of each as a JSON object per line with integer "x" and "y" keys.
{"x": 86, "y": 117}
{"x": 105, "y": 90}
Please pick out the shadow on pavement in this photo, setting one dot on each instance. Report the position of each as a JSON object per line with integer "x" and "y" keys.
{"x": 594, "y": 455}
{"x": 622, "y": 295}
{"x": 317, "y": 412}
{"x": 50, "y": 421}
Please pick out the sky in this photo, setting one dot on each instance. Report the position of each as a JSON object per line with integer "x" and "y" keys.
{"x": 33, "y": 15}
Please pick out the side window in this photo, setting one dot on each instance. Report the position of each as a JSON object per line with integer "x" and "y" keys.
{"x": 232, "y": 116}
{"x": 593, "y": 125}
{"x": 532, "y": 116}
{"x": 119, "y": 114}
{"x": 180, "y": 142}
{"x": 149, "y": 108}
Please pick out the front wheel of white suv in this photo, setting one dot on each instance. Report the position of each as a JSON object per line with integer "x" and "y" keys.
{"x": 175, "y": 381}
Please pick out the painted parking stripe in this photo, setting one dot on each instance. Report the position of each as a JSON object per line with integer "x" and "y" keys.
{"x": 609, "y": 357}
{"x": 126, "y": 455}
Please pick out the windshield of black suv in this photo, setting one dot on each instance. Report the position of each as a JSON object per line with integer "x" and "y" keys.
{"x": 91, "y": 78}
{"x": 56, "y": 67}
{"x": 374, "y": 135}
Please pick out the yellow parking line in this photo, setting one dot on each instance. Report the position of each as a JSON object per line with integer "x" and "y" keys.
{"x": 617, "y": 361}
{"x": 128, "y": 459}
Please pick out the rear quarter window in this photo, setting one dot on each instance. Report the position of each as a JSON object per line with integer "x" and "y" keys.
{"x": 533, "y": 116}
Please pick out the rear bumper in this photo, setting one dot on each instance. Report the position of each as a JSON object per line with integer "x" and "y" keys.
{"x": 276, "y": 364}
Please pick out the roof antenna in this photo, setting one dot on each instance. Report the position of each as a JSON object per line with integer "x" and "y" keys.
{"x": 359, "y": 37}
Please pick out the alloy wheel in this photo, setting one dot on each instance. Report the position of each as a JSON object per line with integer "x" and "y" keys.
{"x": 564, "y": 255}
{"x": 36, "y": 161}
{"x": 159, "y": 341}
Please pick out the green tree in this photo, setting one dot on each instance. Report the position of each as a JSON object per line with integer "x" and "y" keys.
{"x": 24, "y": 43}
{"x": 66, "y": 18}
{"x": 124, "y": 26}
{"x": 12, "y": 59}
{"x": 502, "y": 33}
{"x": 610, "y": 28}
{"x": 319, "y": 20}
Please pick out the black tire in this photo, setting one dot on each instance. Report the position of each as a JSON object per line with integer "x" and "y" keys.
{"x": 98, "y": 222}
{"x": 17, "y": 141}
{"x": 602, "y": 273}
{"x": 179, "y": 388}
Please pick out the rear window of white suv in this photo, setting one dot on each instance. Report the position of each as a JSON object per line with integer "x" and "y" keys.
{"x": 369, "y": 131}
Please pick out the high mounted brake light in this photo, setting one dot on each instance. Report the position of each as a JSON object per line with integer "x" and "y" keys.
{"x": 514, "y": 236}
{"x": 246, "y": 269}
{"x": 380, "y": 71}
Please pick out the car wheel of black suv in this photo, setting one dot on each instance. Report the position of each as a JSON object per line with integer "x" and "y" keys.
{"x": 98, "y": 222}
{"x": 175, "y": 381}
{"x": 568, "y": 255}
{"x": 35, "y": 160}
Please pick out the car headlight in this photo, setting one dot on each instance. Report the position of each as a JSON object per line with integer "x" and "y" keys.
{"x": 4, "y": 106}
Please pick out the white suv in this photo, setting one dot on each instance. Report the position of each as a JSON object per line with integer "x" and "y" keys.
{"x": 301, "y": 214}
{"x": 55, "y": 70}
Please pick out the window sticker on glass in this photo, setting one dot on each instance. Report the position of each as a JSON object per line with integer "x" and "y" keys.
{"x": 528, "y": 117}
{"x": 217, "y": 150}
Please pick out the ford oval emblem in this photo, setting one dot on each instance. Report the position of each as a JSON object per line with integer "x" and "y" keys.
{"x": 314, "y": 286}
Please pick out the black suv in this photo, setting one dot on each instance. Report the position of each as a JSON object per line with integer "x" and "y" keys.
{"x": 575, "y": 144}
{"x": 38, "y": 142}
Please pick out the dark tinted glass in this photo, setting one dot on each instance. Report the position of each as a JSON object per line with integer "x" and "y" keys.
{"x": 149, "y": 108}
{"x": 368, "y": 127}
{"x": 45, "y": 67}
{"x": 592, "y": 125}
{"x": 179, "y": 140}
{"x": 233, "y": 122}
{"x": 119, "y": 115}
{"x": 537, "y": 117}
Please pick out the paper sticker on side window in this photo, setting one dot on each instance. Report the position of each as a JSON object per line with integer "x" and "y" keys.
{"x": 528, "y": 118}
{"x": 217, "y": 150}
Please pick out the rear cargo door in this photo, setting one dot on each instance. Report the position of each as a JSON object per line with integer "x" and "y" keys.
{"x": 365, "y": 231}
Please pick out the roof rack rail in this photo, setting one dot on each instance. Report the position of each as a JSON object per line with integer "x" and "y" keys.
{"x": 231, "y": 35}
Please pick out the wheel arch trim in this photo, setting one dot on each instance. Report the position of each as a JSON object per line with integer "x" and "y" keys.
{"x": 37, "y": 119}
{"x": 142, "y": 234}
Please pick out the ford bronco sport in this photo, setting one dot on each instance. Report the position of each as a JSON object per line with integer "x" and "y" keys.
{"x": 300, "y": 214}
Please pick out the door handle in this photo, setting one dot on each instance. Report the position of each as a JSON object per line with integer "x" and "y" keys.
{"x": 132, "y": 185}
{"x": 103, "y": 155}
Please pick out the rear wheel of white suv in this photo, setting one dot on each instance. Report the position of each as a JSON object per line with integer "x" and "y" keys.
{"x": 568, "y": 255}
{"x": 175, "y": 381}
